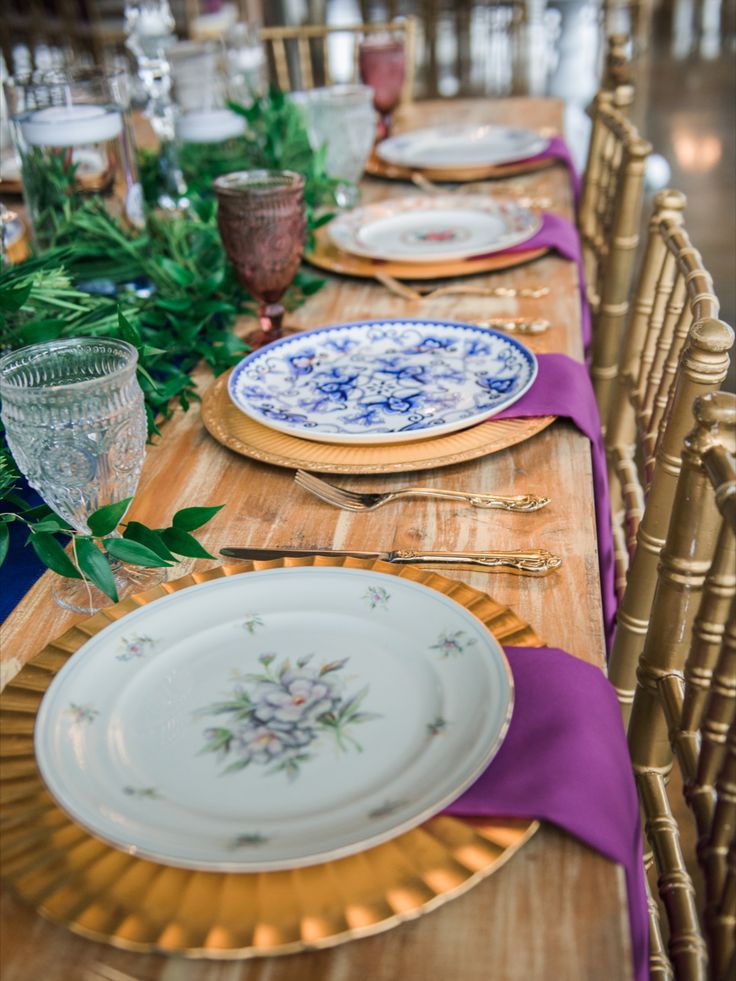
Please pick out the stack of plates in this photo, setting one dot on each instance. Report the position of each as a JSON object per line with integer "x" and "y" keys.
{"x": 382, "y": 382}
{"x": 461, "y": 145}
{"x": 430, "y": 229}
{"x": 274, "y": 720}
{"x": 461, "y": 151}
{"x": 290, "y": 722}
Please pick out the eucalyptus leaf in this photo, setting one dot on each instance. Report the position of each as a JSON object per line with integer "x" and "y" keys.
{"x": 137, "y": 532}
{"x": 106, "y": 519}
{"x": 182, "y": 543}
{"x": 53, "y": 555}
{"x": 4, "y": 540}
{"x": 134, "y": 552}
{"x": 95, "y": 567}
{"x": 190, "y": 518}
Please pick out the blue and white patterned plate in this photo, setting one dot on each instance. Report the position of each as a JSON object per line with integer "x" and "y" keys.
{"x": 382, "y": 381}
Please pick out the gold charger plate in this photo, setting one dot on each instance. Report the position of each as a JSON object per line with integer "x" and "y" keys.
{"x": 246, "y": 436}
{"x": 106, "y": 894}
{"x": 381, "y": 168}
{"x": 326, "y": 255}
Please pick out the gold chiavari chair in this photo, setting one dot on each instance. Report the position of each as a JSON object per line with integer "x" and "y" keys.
{"x": 674, "y": 351}
{"x": 684, "y": 709}
{"x": 608, "y": 222}
{"x": 309, "y": 46}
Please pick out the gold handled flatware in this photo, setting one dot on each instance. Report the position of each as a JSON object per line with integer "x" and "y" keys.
{"x": 515, "y": 325}
{"x": 357, "y": 501}
{"x": 522, "y": 198}
{"x": 459, "y": 289}
{"x": 530, "y": 562}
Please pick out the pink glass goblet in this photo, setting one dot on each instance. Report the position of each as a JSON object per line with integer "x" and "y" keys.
{"x": 261, "y": 219}
{"x": 382, "y": 65}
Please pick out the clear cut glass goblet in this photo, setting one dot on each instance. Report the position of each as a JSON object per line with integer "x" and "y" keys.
{"x": 76, "y": 425}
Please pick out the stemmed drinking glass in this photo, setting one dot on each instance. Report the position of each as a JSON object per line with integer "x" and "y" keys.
{"x": 76, "y": 425}
{"x": 382, "y": 65}
{"x": 263, "y": 227}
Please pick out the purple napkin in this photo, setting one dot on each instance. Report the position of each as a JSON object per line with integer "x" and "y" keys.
{"x": 565, "y": 760}
{"x": 559, "y": 150}
{"x": 561, "y": 235}
{"x": 563, "y": 388}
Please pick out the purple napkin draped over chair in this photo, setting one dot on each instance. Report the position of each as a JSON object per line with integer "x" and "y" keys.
{"x": 559, "y": 150}
{"x": 565, "y": 760}
{"x": 559, "y": 234}
{"x": 563, "y": 388}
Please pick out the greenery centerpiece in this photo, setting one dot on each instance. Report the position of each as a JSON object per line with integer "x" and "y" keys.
{"x": 168, "y": 289}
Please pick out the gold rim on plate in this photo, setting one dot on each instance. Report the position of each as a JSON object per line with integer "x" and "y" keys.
{"x": 326, "y": 255}
{"x": 478, "y": 172}
{"x": 238, "y": 432}
{"x": 106, "y": 894}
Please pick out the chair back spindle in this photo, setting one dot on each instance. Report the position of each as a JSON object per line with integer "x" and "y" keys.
{"x": 684, "y": 707}
{"x": 610, "y": 212}
{"x": 299, "y": 56}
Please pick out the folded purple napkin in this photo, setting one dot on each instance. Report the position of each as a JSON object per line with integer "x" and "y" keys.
{"x": 565, "y": 760}
{"x": 559, "y": 150}
{"x": 563, "y": 388}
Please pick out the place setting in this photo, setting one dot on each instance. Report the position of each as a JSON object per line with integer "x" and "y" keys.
{"x": 313, "y": 580}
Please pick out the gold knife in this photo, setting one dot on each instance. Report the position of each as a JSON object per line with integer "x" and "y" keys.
{"x": 533, "y": 562}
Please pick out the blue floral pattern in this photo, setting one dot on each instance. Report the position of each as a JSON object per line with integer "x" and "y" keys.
{"x": 278, "y": 721}
{"x": 383, "y": 378}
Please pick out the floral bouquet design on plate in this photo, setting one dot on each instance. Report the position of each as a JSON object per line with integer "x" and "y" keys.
{"x": 278, "y": 720}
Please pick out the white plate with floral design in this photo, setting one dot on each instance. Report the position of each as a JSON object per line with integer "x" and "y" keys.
{"x": 382, "y": 381}
{"x": 274, "y": 720}
{"x": 442, "y": 228}
{"x": 462, "y": 145}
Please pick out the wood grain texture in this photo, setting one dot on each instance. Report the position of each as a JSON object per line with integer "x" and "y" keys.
{"x": 557, "y": 909}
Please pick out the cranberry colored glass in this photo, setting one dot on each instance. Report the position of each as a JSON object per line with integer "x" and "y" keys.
{"x": 382, "y": 64}
{"x": 262, "y": 224}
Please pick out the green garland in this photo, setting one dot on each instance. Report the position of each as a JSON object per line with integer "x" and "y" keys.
{"x": 169, "y": 290}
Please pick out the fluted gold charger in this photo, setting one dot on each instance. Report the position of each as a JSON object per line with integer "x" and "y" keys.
{"x": 326, "y": 255}
{"x": 107, "y": 894}
{"x": 478, "y": 172}
{"x": 238, "y": 432}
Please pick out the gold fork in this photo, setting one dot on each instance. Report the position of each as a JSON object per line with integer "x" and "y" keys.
{"x": 459, "y": 289}
{"x": 355, "y": 501}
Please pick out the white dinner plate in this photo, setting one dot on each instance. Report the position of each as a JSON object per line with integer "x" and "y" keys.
{"x": 462, "y": 145}
{"x": 444, "y": 227}
{"x": 382, "y": 381}
{"x": 274, "y": 720}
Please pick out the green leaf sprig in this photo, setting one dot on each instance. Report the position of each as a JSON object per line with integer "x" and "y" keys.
{"x": 91, "y": 554}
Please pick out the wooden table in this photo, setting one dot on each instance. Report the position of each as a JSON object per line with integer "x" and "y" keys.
{"x": 557, "y": 908}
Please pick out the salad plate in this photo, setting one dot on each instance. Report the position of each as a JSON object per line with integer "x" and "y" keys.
{"x": 382, "y": 381}
{"x": 441, "y": 228}
{"x": 274, "y": 720}
{"x": 461, "y": 145}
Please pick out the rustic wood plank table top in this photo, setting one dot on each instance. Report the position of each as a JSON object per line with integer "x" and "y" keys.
{"x": 557, "y": 908}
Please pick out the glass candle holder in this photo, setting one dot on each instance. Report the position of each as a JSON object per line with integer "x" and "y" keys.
{"x": 342, "y": 118}
{"x": 76, "y": 425}
{"x": 201, "y": 93}
{"x": 382, "y": 65}
{"x": 262, "y": 224}
{"x": 73, "y": 141}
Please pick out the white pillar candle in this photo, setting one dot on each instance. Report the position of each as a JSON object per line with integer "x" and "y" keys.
{"x": 71, "y": 125}
{"x": 209, "y": 126}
